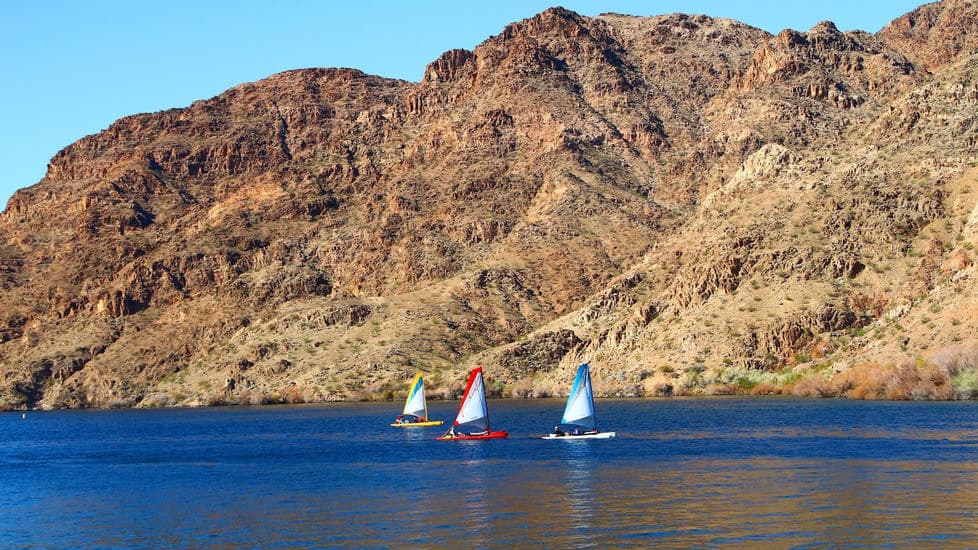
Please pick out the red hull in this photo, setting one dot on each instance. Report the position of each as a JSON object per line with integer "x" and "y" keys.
{"x": 463, "y": 437}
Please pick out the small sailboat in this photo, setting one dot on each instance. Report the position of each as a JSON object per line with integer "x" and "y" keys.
{"x": 578, "y": 420}
{"x": 415, "y": 414}
{"x": 472, "y": 420}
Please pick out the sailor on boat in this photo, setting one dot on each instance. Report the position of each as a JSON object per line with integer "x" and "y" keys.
{"x": 409, "y": 419}
{"x": 453, "y": 433}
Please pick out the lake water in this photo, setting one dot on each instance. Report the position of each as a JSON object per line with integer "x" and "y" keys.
{"x": 713, "y": 472}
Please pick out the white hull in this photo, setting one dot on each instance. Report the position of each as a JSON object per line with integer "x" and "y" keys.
{"x": 599, "y": 435}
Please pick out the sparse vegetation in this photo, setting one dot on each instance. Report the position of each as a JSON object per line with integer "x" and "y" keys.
{"x": 520, "y": 206}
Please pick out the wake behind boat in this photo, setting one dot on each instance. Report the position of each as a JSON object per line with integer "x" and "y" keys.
{"x": 415, "y": 413}
{"x": 472, "y": 420}
{"x": 578, "y": 420}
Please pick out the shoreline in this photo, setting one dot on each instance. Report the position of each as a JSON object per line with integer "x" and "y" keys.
{"x": 686, "y": 396}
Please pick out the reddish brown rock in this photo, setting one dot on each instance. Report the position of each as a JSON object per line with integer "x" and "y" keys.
{"x": 676, "y": 191}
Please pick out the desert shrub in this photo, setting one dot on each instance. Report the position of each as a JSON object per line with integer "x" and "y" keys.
{"x": 876, "y": 381}
{"x": 722, "y": 389}
{"x": 965, "y": 383}
{"x": 544, "y": 391}
{"x": 918, "y": 380}
{"x": 387, "y": 390}
{"x": 528, "y": 387}
{"x": 932, "y": 383}
{"x": 786, "y": 377}
{"x": 765, "y": 388}
{"x": 902, "y": 381}
{"x": 662, "y": 389}
{"x": 614, "y": 387}
{"x": 494, "y": 388}
{"x": 522, "y": 388}
{"x": 960, "y": 365}
{"x": 812, "y": 386}
{"x": 721, "y": 376}
{"x": 736, "y": 379}
{"x": 746, "y": 383}
{"x": 452, "y": 390}
{"x": 691, "y": 379}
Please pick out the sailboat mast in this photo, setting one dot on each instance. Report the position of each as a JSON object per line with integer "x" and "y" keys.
{"x": 424, "y": 398}
{"x": 590, "y": 395}
{"x": 482, "y": 388}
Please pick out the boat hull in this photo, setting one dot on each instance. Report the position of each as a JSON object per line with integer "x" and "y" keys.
{"x": 599, "y": 435}
{"x": 465, "y": 437}
{"x": 418, "y": 424}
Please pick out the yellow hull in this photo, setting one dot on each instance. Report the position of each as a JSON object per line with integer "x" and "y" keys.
{"x": 419, "y": 424}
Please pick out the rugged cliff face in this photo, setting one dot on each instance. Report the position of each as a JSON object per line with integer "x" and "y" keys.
{"x": 689, "y": 203}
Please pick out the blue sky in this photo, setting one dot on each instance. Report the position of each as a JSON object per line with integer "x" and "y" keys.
{"x": 70, "y": 68}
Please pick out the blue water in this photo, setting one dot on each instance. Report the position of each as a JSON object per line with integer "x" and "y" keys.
{"x": 681, "y": 473}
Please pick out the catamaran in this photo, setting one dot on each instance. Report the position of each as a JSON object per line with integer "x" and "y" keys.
{"x": 472, "y": 420}
{"x": 415, "y": 413}
{"x": 578, "y": 420}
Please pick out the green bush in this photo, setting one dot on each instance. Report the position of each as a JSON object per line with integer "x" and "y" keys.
{"x": 965, "y": 383}
{"x": 746, "y": 383}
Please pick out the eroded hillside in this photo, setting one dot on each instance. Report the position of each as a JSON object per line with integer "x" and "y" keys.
{"x": 689, "y": 203}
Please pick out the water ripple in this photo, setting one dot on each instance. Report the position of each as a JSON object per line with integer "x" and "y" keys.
{"x": 682, "y": 473}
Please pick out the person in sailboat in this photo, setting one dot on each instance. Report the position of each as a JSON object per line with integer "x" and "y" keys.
{"x": 558, "y": 432}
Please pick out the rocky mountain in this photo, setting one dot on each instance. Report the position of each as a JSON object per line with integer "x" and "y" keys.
{"x": 691, "y": 204}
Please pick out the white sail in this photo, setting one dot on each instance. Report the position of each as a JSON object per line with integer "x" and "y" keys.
{"x": 415, "y": 403}
{"x": 473, "y": 412}
{"x": 579, "y": 411}
{"x": 580, "y": 403}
